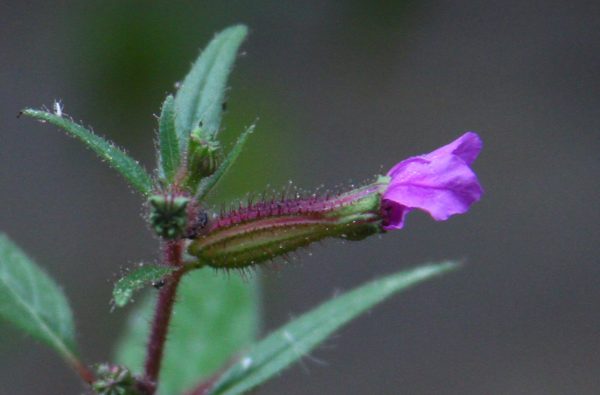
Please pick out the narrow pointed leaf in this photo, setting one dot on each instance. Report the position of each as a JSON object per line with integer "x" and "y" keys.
{"x": 201, "y": 95}
{"x": 136, "y": 280}
{"x": 170, "y": 156}
{"x": 289, "y": 343}
{"x": 114, "y": 156}
{"x": 31, "y": 301}
{"x": 215, "y": 316}
{"x": 208, "y": 183}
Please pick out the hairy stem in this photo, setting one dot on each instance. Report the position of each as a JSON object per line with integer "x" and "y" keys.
{"x": 172, "y": 251}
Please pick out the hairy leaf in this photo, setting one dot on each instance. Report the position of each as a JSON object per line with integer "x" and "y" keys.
{"x": 114, "y": 156}
{"x": 292, "y": 341}
{"x": 31, "y": 301}
{"x": 137, "y": 279}
{"x": 170, "y": 156}
{"x": 215, "y": 316}
{"x": 201, "y": 95}
{"x": 208, "y": 183}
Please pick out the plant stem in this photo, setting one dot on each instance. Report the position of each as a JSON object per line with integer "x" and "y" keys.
{"x": 172, "y": 251}
{"x": 83, "y": 371}
{"x": 203, "y": 387}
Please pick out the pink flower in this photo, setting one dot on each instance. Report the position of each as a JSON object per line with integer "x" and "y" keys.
{"x": 440, "y": 183}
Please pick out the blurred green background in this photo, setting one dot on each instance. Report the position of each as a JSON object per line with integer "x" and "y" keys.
{"x": 343, "y": 91}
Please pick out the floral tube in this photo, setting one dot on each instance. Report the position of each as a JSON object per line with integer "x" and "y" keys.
{"x": 265, "y": 230}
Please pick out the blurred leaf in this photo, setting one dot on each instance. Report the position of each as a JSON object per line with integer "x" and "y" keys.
{"x": 201, "y": 95}
{"x": 208, "y": 183}
{"x": 170, "y": 157}
{"x": 137, "y": 279}
{"x": 31, "y": 301}
{"x": 114, "y": 156}
{"x": 215, "y": 317}
{"x": 299, "y": 337}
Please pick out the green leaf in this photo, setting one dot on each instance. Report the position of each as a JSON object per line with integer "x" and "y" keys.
{"x": 114, "y": 156}
{"x": 299, "y": 337}
{"x": 200, "y": 97}
{"x": 215, "y": 317}
{"x": 208, "y": 183}
{"x": 137, "y": 279}
{"x": 170, "y": 157}
{"x": 31, "y": 301}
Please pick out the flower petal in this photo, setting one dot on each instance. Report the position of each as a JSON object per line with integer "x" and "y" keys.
{"x": 393, "y": 214}
{"x": 440, "y": 183}
{"x": 466, "y": 147}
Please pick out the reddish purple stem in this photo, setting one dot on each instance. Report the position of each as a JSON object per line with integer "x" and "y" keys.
{"x": 84, "y": 372}
{"x": 162, "y": 316}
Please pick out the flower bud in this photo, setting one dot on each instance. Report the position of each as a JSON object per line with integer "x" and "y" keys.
{"x": 114, "y": 379}
{"x": 204, "y": 157}
{"x": 265, "y": 230}
{"x": 168, "y": 216}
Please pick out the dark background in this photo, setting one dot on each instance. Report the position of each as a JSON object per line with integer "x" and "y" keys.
{"x": 343, "y": 90}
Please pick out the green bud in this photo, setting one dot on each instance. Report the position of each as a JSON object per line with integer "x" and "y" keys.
{"x": 114, "y": 380}
{"x": 204, "y": 157}
{"x": 168, "y": 216}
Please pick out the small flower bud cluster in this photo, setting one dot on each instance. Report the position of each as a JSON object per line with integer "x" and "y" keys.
{"x": 114, "y": 380}
{"x": 172, "y": 207}
{"x": 168, "y": 216}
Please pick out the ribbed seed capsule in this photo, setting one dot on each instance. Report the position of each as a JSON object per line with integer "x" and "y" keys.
{"x": 265, "y": 230}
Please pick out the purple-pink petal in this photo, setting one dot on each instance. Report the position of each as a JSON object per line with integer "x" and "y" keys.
{"x": 440, "y": 183}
